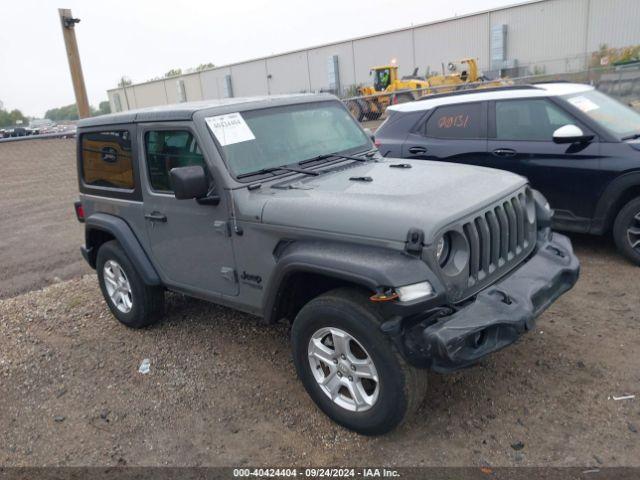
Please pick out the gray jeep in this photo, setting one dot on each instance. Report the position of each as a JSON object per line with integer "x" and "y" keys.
{"x": 281, "y": 207}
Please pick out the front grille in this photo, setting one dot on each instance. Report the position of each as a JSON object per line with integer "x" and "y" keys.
{"x": 499, "y": 237}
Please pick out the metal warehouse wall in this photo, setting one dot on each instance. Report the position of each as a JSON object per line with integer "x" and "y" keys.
{"x": 550, "y": 36}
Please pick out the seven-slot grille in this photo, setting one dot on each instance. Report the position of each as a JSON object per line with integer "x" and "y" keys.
{"x": 500, "y": 236}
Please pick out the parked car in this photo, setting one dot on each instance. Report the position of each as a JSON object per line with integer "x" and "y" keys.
{"x": 281, "y": 207}
{"x": 576, "y": 145}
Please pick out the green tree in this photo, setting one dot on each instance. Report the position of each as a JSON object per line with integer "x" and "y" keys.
{"x": 65, "y": 113}
{"x": 204, "y": 66}
{"x": 174, "y": 72}
{"x": 104, "y": 107}
{"x": 12, "y": 118}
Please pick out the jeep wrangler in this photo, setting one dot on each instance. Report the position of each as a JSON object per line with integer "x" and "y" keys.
{"x": 282, "y": 207}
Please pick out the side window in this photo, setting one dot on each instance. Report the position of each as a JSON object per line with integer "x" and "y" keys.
{"x": 463, "y": 121}
{"x": 167, "y": 149}
{"x": 107, "y": 159}
{"x": 529, "y": 120}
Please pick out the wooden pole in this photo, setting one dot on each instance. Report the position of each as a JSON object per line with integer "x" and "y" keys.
{"x": 69, "y": 34}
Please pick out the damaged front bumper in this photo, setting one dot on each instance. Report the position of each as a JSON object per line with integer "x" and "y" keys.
{"x": 497, "y": 316}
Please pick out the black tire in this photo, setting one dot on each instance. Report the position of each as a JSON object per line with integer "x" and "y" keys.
{"x": 401, "y": 387}
{"x": 147, "y": 302}
{"x": 356, "y": 110}
{"x": 626, "y": 231}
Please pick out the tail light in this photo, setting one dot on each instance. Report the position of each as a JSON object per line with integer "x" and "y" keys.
{"x": 79, "y": 211}
{"x": 377, "y": 143}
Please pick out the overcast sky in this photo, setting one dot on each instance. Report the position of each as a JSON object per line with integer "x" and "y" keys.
{"x": 145, "y": 38}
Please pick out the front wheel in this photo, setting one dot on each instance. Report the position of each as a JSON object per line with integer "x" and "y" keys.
{"x": 626, "y": 231}
{"x": 349, "y": 367}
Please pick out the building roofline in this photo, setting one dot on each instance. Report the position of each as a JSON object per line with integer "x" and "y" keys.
{"x": 337, "y": 42}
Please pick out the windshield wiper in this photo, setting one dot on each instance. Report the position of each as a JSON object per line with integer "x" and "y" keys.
{"x": 330, "y": 155}
{"x": 631, "y": 137}
{"x": 275, "y": 169}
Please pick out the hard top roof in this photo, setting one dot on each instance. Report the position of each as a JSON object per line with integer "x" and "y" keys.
{"x": 185, "y": 111}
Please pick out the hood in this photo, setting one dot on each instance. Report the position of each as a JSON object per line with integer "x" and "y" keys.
{"x": 429, "y": 196}
{"x": 635, "y": 144}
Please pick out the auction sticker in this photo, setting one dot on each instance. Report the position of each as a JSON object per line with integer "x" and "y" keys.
{"x": 230, "y": 128}
{"x": 583, "y": 103}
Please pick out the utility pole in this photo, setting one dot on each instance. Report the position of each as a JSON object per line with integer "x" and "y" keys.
{"x": 69, "y": 34}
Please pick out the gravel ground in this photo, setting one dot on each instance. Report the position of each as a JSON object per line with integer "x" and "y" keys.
{"x": 39, "y": 235}
{"x": 222, "y": 390}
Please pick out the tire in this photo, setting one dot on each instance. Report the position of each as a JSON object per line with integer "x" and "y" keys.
{"x": 145, "y": 302}
{"x": 356, "y": 110}
{"x": 626, "y": 231}
{"x": 348, "y": 315}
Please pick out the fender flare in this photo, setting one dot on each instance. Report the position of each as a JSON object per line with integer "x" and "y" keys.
{"x": 367, "y": 266}
{"x": 123, "y": 233}
{"x": 604, "y": 214}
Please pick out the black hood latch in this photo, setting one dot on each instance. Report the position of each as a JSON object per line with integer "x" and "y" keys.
{"x": 415, "y": 241}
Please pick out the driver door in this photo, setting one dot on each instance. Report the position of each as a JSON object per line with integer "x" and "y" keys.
{"x": 190, "y": 242}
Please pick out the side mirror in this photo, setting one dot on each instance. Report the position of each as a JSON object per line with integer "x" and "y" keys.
{"x": 189, "y": 182}
{"x": 369, "y": 134}
{"x": 570, "y": 134}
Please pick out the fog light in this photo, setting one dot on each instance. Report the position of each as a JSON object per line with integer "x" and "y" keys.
{"x": 415, "y": 291}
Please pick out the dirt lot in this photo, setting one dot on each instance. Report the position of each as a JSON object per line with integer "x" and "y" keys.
{"x": 39, "y": 236}
{"x": 222, "y": 391}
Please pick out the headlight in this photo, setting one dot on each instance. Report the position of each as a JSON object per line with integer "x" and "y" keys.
{"x": 442, "y": 249}
{"x": 415, "y": 291}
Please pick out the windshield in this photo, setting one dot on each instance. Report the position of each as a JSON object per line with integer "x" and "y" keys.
{"x": 616, "y": 117}
{"x": 273, "y": 137}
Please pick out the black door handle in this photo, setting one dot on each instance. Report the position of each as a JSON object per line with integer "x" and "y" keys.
{"x": 504, "y": 152}
{"x": 417, "y": 150}
{"x": 156, "y": 217}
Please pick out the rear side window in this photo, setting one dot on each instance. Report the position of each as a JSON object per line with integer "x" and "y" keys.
{"x": 107, "y": 159}
{"x": 463, "y": 121}
{"x": 167, "y": 149}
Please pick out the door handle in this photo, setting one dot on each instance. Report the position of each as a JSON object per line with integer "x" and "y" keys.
{"x": 156, "y": 217}
{"x": 504, "y": 152}
{"x": 417, "y": 150}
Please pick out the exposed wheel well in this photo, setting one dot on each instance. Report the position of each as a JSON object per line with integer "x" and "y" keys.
{"x": 628, "y": 195}
{"x": 95, "y": 238}
{"x": 299, "y": 288}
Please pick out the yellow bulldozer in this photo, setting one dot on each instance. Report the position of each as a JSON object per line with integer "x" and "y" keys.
{"x": 387, "y": 88}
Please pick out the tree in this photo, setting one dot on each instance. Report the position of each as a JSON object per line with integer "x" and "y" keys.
{"x": 174, "y": 72}
{"x": 104, "y": 107}
{"x": 204, "y": 66}
{"x": 12, "y": 118}
{"x": 67, "y": 112}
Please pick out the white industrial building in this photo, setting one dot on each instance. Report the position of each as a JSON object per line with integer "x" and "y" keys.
{"x": 540, "y": 36}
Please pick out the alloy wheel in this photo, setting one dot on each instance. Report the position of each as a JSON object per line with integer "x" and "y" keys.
{"x": 118, "y": 286}
{"x": 343, "y": 369}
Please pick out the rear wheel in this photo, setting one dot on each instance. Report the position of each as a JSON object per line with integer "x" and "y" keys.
{"x": 350, "y": 368}
{"x": 355, "y": 108}
{"x": 626, "y": 231}
{"x": 130, "y": 300}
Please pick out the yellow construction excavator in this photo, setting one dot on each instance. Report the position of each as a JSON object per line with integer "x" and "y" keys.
{"x": 387, "y": 88}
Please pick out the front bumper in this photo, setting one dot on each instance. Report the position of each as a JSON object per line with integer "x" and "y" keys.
{"x": 500, "y": 313}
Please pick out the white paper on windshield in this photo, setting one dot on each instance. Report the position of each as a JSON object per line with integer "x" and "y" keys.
{"x": 230, "y": 128}
{"x": 583, "y": 103}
